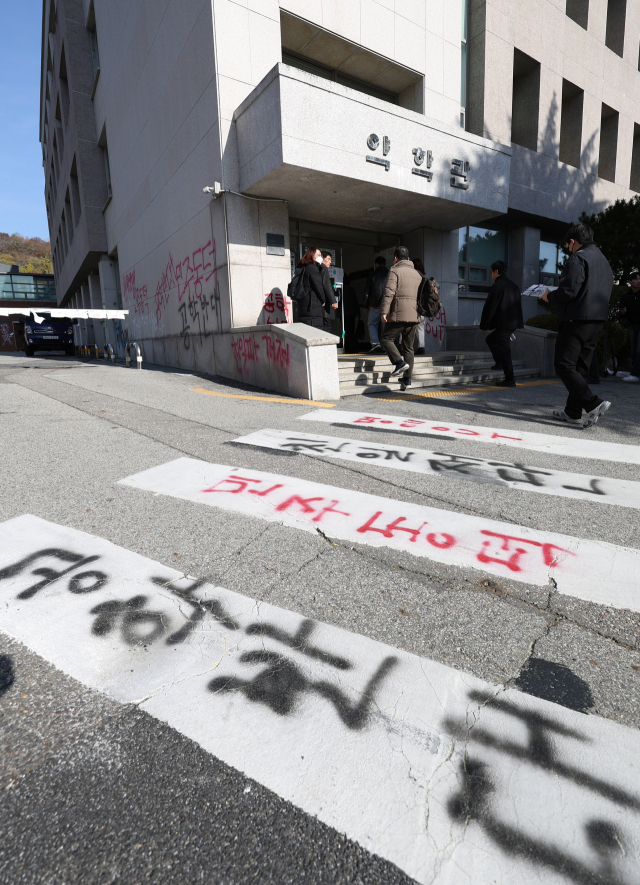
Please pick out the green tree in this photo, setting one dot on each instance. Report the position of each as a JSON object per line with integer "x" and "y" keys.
{"x": 615, "y": 230}
{"x": 31, "y": 254}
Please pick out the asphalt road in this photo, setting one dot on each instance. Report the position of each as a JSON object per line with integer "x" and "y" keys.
{"x": 96, "y": 789}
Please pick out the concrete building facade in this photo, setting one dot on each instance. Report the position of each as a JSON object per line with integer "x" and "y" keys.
{"x": 467, "y": 131}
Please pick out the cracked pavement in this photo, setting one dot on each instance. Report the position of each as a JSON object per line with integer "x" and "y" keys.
{"x": 74, "y": 429}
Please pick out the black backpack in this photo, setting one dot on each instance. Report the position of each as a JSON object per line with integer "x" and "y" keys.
{"x": 428, "y": 301}
{"x": 296, "y": 290}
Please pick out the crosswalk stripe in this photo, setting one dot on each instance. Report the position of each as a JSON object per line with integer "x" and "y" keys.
{"x": 600, "y": 490}
{"x": 591, "y": 570}
{"x": 575, "y": 447}
{"x": 449, "y": 777}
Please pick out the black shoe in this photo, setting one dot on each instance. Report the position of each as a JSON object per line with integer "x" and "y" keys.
{"x": 399, "y": 369}
{"x": 505, "y": 383}
{"x": 404, "y": 383}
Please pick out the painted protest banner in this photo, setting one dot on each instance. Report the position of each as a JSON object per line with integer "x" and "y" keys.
{"x": 374, "y": 741}
{"x": 575, "y": 447}
{"x": 619, "y": 492}
{"x": 591, "y": 570}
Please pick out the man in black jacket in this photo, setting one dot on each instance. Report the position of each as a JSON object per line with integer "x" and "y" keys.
{"x": 376, "y": 283}
{"x": 630, "y": 311}
{"x": 583, "y": 307}
{"x": 502, "y": 312}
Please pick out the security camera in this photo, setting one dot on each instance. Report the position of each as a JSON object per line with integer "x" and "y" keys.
{"x": 216, "y": 190}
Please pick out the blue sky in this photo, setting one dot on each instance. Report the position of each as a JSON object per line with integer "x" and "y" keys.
{"x": 22, "y": 206}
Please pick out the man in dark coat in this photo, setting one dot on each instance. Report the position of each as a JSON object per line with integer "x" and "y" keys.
{"x": 330, "y": 300}
{"x": 376, "y": 282}
{"x": 502, "y": 312}
{"x": 630, "y": 311}
{"x": 582, "y": 299}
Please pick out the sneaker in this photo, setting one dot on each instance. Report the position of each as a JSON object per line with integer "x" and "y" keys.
{"x": 505, "y": 383}
{"x": 404, "y": 383}
{"x": 631, "y": 378}
{"x": 399, "y": 369}
{"x": 377, "y": 348}
{"x": 561, "y": 415}
{"x": 594, "y": 414}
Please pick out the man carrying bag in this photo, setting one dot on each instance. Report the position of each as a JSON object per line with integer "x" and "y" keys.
{"x": 582, "y": 297}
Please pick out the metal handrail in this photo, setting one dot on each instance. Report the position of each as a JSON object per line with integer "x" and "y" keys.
{"x": 108, "y": 353}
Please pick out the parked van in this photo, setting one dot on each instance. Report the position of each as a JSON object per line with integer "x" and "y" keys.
{"x": 50, "y": 334}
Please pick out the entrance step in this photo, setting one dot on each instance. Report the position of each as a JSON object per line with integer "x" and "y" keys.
{"x": 369, "y": 374}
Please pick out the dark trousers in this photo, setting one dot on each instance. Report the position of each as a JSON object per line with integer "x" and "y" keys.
{"x": 389, "y": 333}
{"x": 316, "y": 322}
{"x": 634, "y": 341}
{"x": 574, "y": 348}
{"x": 499, "y": 343}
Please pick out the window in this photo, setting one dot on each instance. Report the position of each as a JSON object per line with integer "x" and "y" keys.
{"x": 616, "y": 15}
{"x": 68, "y": 217}
{"x": 526, "y": 100}
{"x": 571, "y": 124}
{"x": 64, "y": 90}
{"x": 95, "y": 55}
{"x": 634, "y": 183}
{"x": 478, "y": 247}
{"x": 102, "y": 142}
{"x": 578, "y": 10}
{"x": 74, "y": 185}
{"x": 608, "y": 143}
{"x": 310, "y": 48}
{"x": 24, "y": 287}
{"x": 551, "y": 262}
{"x": 464, "y": 65}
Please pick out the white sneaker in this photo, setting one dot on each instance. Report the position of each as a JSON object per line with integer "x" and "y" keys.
{"x": 594, "y": 414}
{"x": 561, "y": 415}
{"x": 631, "y": 378}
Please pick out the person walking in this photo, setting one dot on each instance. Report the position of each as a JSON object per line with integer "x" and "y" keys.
{"x": 311, "y": 305}
{"x": 582, "y": 299}
{"x": 630, "y": 311}
{"x": 502, "y": 312}
{"x": 330, "y": 300}
{"x": 422, "y": 321}
{"x": 374, "y": 292}
{"x": 399, "y": 313}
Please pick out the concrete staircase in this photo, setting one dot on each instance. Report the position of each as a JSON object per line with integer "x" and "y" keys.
{"x": 367, "y": 374}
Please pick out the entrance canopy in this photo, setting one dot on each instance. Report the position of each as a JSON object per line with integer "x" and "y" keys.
{"x": 346, "y": 158}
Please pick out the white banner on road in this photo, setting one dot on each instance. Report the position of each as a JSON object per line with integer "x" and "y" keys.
{"x": 456, "y": 781}
{"x": 575, "y": 447}
{"x": 590, "y": 570}
{"x": 621, "y": 492}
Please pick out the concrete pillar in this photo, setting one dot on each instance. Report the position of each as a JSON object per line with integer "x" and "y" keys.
{"x": 110, "y": 301}
{"x": 79, "y": 331}
{"x": 524, "y": 256}
{"x": 86, "y": 304}
{"x": 95, "y": 294}
{"x": 524, "y": 264}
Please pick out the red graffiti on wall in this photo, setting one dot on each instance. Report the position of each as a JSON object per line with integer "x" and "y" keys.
{"x": 194, "y": 270}
{"x": 166, "y": 283}
{"x": 131, "y": 293}
{"x": 245, "y": 350}
{"x": 437, "y": 325}
{"x": 277, "y": 352}
{"x": 277, "y": 308}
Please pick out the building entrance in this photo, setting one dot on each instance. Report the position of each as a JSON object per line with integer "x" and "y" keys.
{"x": 353, "y": 252}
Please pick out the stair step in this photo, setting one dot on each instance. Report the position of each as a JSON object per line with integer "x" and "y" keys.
{"x": 422, "y": 369}
{"x": 365, "y": 385}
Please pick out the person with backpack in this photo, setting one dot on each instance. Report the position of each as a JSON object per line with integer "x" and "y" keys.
{"x": 375, "y": 290}
{"x": 307, "y": 289}
{"x": 502, "y": 313}
{"x": 399, "y": 308}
